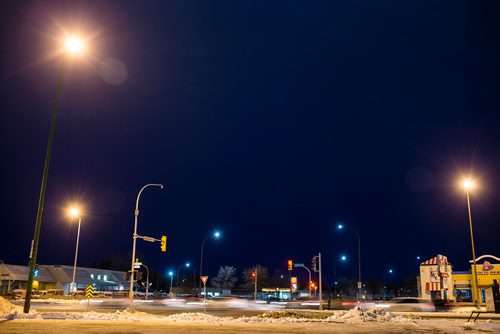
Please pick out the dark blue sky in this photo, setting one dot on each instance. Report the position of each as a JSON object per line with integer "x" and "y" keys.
{"x": 269, "y": 120}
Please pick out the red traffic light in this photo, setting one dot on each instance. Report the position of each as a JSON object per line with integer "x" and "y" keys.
{"x": 254, "y": 273}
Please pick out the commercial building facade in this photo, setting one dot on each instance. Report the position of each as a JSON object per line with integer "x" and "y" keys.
{"x": 437, "y": 280}
{"x": 59, "y": 277}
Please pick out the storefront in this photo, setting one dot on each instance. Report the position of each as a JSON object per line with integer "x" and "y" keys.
{"x": 439, "y": 282}
{"x": 436, "y": 279}
{"x": 488, "y": 270}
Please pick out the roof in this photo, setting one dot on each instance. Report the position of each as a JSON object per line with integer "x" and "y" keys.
{"x": 13, "y": 272}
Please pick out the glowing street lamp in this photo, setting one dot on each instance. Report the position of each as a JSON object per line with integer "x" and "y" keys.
{"x": 74, "y": 212}
{"x": 215, "y": 235}
{"x": 72, "y": 45}
{"x": 171, "y": 274}
{"x": 389, "y": 271}
{"x": 341, "y": 227}
{"x": 187, "y": 265}
{"x": 469, "y": 185}
{"x": 342, "y": 258}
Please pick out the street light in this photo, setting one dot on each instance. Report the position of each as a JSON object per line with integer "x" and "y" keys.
{"x": 342, "y": 258}
{"x": 74, "y": 212}
{"x": 171, "y": 274}
{"x": 469, "y": 185}
{"x": 72, "y": 47}
{"x": 341, "y": 227}
{"x": 389, "y": 271}
{"x": 187, "y": 265}
{"x": 216, "y": 235}
{"x": 136, "y": 215}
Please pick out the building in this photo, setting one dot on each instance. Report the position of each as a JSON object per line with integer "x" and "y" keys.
{"x": 59, "y": 277}
{"x": 437, "y": 280}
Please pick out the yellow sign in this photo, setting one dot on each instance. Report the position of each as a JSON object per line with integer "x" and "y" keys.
{"x": 89, "y": 291}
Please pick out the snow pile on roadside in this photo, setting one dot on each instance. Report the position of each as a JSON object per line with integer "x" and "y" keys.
{"x": 281, "y": 316}
{"x": 93, "y": 316}
{"x": 374, "y": 315}
{"x": 57, "y": 301}
{"x": 7, "y": 308}
{"x": 196, "y": 317}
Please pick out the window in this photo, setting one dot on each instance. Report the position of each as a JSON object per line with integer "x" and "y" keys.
{"x": 105, "y": 277}
{"x": 98, "y": 277}
{"x": 92, "y": 276}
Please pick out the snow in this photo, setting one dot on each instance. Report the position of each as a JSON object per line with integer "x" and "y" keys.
{"x": 374, "y": 315}
{"x": 352, "y": 319}
{"x": 7, "y": 308}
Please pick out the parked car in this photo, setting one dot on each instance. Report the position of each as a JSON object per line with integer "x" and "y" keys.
{"x": 408, "y": 304}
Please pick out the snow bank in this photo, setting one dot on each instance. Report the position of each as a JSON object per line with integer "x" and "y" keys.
{"x": 374, "y": 315}
{"x": 7, "y": 308}
{"x": 196, "y": 317}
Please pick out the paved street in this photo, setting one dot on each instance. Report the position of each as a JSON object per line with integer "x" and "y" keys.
{"x": 66, "y": 326}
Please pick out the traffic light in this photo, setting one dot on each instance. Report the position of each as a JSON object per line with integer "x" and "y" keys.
{"x": 314, "y": 263}
{"x": 163, "y": 243}
{"x": 36, "y": 271}
{"x": 290, "y": 265}
{"x": 254, "y": 274}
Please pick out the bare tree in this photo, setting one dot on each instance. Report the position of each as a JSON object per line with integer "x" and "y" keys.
{"x": 262, "y": 277}
{"x": 226, "y": 278}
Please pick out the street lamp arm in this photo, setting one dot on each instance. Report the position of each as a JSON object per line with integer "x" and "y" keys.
{"x": 140, "y": 192}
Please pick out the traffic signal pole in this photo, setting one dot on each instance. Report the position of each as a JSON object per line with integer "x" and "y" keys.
{"x": 320, "y": 284}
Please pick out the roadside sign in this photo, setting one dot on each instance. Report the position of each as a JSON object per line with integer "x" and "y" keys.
{"x": 296, "y": 265}
{"x": 359, "y": 285}
{"x": 204, "y": 279}
{"x": 89, "y": 291}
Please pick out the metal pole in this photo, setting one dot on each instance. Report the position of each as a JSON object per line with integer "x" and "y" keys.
{"x": 147, "y": 280}
{"x": 171, "y": 278}
{"x": 205, "y": 297}
{"x": 201, "y": 259}
{"x": 255, "y": 288}
{"x": 136, "y": 215}
{"x": 476, "y": 294}
{"x": 310, "y": 278}
{"x": 359, "y": 266}
{"x": 76, "y": 255}
{"x": 177, "y": 283}
{"x": 320, "y": 285}
{"x": 41, "y": 200}
{"x": 335, "y": 278}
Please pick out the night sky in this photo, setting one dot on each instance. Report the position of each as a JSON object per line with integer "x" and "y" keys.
{"x": 269, "y": 120}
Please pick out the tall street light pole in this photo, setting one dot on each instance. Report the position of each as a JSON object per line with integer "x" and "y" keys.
{"x": 469, "y": 185}
{"x": 136, "y": 215}
{"x": 73, "y": 46}
{"x": 390, "y": 272}
{"x": 75, "y": 212}
{"x": 342, "y": 258}
{"x": 187, "y": 264}
{"x": 215, "y": 235}
{"x": 340, "y": 227}
{"x": 171, "y": 274}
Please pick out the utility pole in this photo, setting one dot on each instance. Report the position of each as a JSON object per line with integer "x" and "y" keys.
{"x": 256, "y": 275}
{"x": 320, "y": 284}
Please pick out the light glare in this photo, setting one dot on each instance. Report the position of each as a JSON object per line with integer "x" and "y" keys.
{"x": 74, "y": 212}
{"x": 468, "y": 184}
{"x": 74, "y": 45}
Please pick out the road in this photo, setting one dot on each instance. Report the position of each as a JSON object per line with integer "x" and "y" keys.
{"x": 108, "y": 327}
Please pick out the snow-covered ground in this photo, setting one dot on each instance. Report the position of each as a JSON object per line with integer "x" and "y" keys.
{"x": 351, "y": 321}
